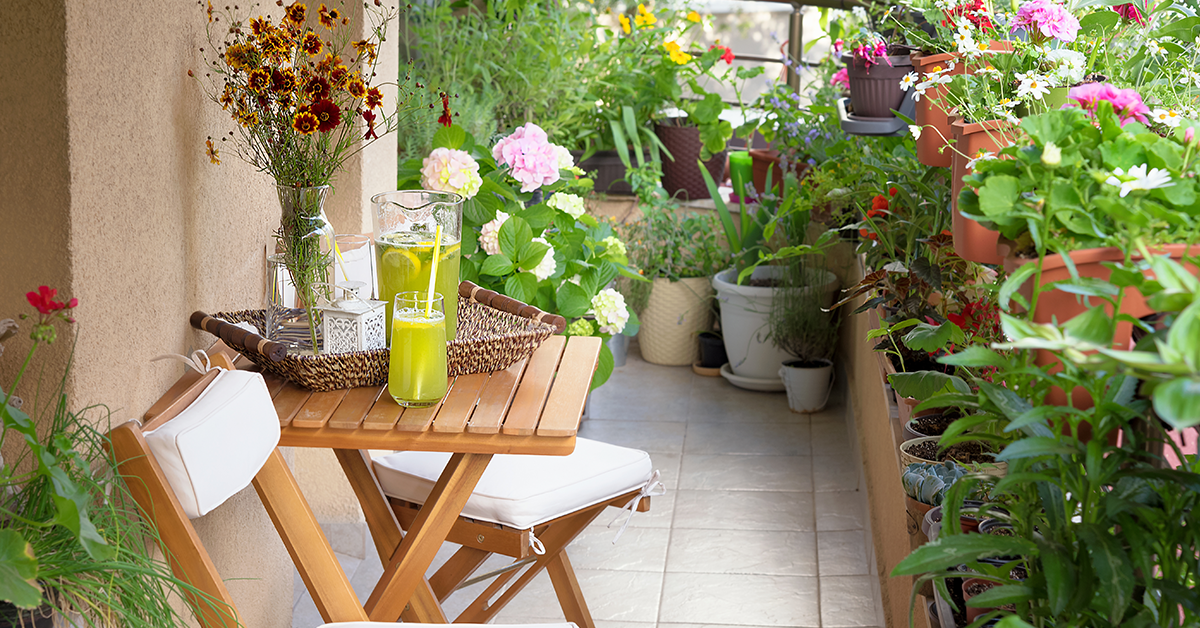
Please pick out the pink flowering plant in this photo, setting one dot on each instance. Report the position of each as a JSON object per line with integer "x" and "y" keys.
{"x": 526, "y": 229}
{"x": 1089, "y": 175}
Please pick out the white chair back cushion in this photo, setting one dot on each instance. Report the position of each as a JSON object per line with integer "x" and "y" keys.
{"x": 524, "y": 491}
{"x": 216, "y": 446}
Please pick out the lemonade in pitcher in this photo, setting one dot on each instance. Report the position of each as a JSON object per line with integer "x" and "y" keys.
{"x": 404, "y": 261}
{"x": 417, "y": 374}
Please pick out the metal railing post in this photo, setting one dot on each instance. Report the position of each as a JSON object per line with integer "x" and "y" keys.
{"x": 796, "y": 46}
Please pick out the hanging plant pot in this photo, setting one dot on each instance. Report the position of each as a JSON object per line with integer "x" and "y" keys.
{"x": 875, "y": 90}
{"x": 973, "y": 241}
{"x": 682, "y": 175}
{"x": 932, "y": 115}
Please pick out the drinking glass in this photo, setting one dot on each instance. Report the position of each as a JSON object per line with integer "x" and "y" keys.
{"x": 351, "y": 264}
{"x": 404, "y": 225}
{"x": 417, "y": 368}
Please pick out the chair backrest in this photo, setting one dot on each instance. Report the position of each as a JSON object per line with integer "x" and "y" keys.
{"x": 151, "y": 487}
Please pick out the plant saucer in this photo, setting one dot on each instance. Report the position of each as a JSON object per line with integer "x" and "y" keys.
{"x": 752, "y": 383}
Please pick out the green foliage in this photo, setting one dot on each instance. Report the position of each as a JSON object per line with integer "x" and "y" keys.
{"x": 799, "y": 324}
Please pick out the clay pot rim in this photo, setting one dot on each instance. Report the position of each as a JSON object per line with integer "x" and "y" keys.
{"x": 1099, "y": 254}
{"x": 921, "y": 59}
{"x": 968, "y": 581}
{"x": 962, "y": 127}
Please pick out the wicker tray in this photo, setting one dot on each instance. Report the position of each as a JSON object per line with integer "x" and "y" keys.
{"x": 494, "y": 332}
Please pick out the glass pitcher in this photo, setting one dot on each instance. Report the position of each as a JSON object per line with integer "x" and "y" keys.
{"x": 404, "y": 224}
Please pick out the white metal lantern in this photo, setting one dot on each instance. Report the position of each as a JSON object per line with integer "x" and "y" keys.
{"x": 353, "y": 325}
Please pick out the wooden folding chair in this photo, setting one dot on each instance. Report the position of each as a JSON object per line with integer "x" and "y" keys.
{"x": 528, "y": 508}
{"x": 289, "y": 511}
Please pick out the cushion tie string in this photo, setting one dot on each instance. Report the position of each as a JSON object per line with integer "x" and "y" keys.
{"x": 652, "y": 488}
{"x": 536, "y": 544}
{"x": 193, "y": 362}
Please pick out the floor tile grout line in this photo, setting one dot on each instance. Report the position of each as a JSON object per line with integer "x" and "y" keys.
{"x": 816, "y": 534}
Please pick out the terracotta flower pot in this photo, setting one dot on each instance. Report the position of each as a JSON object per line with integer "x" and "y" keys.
{"x": 932, "y": 115}
{"x": 968, "y": 584}
{"x": 973, "y": 241}
{"x": 764, "y": 161}
{"x": 875, "y": 91}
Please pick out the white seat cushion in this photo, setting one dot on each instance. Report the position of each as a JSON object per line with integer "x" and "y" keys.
{"x": 216, "y": 446}
{"x": 380, "y": 624}
{"x": 524, "y": 491}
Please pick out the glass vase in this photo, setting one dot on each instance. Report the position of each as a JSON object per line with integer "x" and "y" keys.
{"x": 302, "y": 226}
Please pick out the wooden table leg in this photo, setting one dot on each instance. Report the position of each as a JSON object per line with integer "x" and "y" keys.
{"x": 385, "y": 531}
{"x": 405, "y": 572}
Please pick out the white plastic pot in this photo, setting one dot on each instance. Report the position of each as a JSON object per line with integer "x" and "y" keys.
{"x": 745, "y": 320}
{"x": 807, "y": 388}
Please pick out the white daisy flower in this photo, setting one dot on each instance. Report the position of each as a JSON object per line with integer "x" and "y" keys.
{"x": 1155, "y": 49}
{"x": 966, "y": 47}
{"x": 915, "y": 130}
{"x": 908, "y": 81}
{"x": 1169, "y": 117}
{"x": 919, "y": 91}
{"x": 1034, "y": 86}
{"x": 1139, "y": 179}
{"x": 982, "y": 155}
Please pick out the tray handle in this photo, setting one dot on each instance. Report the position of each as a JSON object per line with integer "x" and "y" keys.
{"x": 468, "y": 290}
{"x": 239, "y": 338}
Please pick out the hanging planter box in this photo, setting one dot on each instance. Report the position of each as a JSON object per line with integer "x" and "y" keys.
{"x": 931, "y": 114}
{"x": 973, "y": 241}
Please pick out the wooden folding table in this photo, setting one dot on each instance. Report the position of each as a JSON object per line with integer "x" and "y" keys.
{"x": 532, "y": 407}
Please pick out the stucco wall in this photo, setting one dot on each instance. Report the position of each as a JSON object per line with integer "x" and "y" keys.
{"x": 108, "y": 196}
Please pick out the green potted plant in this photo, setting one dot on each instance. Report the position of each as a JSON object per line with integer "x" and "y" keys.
{"x": 526, "y": 231}
{"x": 802, "y": 328}
{"x": 72, "y": 546}
{"x": 677, "y": 254}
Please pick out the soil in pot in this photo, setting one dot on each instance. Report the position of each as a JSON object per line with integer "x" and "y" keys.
{"x": 968, "y": 452}
{"x": 934, "y": 424}
{"x": 914, "y": 360}
{"x": 40, "y": 617}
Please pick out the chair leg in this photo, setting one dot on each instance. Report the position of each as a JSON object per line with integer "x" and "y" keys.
{"x": 566, "y": 586}
{"x": 461, "y": 565}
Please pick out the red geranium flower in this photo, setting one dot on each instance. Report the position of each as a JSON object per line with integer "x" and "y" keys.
{"x": 44, "y": 301}
{"x": 328, "y": 115}
{"x": 445, "y": 119}
{"x": 892, "y": 191}
{"x": 880, "y": 202}
{"x": 726, "y": 55}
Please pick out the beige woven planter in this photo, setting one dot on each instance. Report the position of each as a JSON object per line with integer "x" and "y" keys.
{"x": 677, "y": 310}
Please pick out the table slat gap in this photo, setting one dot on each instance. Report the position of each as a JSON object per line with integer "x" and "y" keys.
{"x": 496, "y": 398}
{"x": 384, "y": 414}
{"x": 456, "y": 409}
{"x": 274, "y": 383}
{"x": 522, "y": 417}
{"x": 358, "y": 402}
{"x": 564, "y": 407}
{"x": 318, "y": 409}
{"x": 419, "y": 419}
{"x": 289, "y": 400}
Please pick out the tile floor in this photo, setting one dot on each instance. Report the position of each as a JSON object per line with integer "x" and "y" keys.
{"x": 764, "y": 522}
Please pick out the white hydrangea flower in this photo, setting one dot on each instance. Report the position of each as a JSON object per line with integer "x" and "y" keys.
{"x": 449, "y": 170}
{"x": 609, "y": 307}
{"x": 489, "y": 234}
{"x": 612, "y": 243}
{"x": 547, "y": 266}
{"x": 569, "y": 203}
{"x": 1070, "y": 66}
{"x": 565, "y": 160}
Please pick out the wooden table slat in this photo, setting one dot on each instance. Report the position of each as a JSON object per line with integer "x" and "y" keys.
{"x": 289, "y": 400}
{"x": 565, "y": 404}
{"x": 349, "y": 414}
{"x": 318, "y": 409}
{"x": 459, "y": 404}
{"x": 495, "y": 399}
{"x": 383, "y": 414}
{"x": 274, "y": 383}
{"x": 526, "y": 407}
{"x": 418, "y": 419}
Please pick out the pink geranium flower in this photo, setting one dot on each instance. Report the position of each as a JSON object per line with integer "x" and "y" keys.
{"x": 530, "y": 156}
{"x": 1043, "y": 19}
{"x": 1127, "y": 103}
{"x": 1130, "y": 12}
{"x": 841, "y": 78}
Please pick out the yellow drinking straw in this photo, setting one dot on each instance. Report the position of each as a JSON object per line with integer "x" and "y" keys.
{"x": 437, "y": 251}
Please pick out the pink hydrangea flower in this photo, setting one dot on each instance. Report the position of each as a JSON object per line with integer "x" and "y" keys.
{"x": 489, "y": 234}
{"x": 1043, "y": 19}
{"x": 449, "y": 170}
{"x": 841, "y": 78}
{"x": 1127, "y": 103}
{"x": 530, "y": 156}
